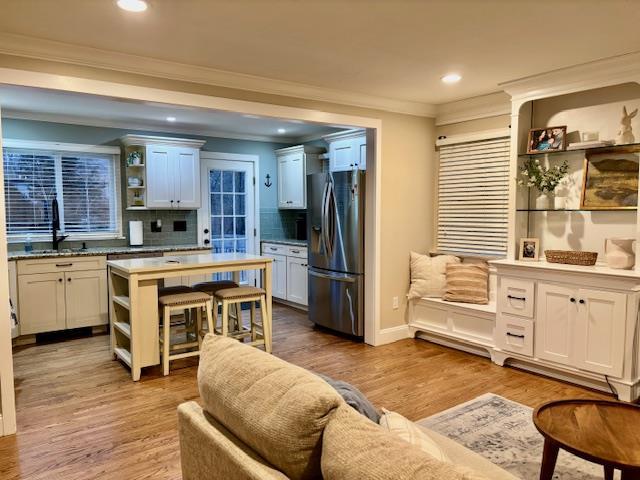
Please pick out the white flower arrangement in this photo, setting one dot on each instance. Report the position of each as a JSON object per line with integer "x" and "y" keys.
{"x": 545, "y": 179}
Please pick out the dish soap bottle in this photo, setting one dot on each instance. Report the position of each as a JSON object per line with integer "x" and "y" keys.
{"x": 28, "y": 246}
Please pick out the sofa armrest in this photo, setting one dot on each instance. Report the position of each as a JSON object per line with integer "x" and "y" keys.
{"x": 209, "y": 451}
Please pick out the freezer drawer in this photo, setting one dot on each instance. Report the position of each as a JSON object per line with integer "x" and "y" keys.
{"x": 336, "y": 301}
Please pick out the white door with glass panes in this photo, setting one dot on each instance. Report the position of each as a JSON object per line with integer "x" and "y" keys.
{"x": 227, "y": 217}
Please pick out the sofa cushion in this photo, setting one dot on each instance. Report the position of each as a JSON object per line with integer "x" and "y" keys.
{"x": 277, "y": 409}
{"x": 412, "y": 433}
{"x": 355, "y": 448}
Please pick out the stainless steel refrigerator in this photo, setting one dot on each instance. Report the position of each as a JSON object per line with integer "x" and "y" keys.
{"x": 335, "y": 233}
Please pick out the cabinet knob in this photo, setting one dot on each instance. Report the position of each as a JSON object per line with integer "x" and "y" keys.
{"x": 178, "y": 201}
{"x": 581, "y": 301}
{"x": 60, "y": 280}
{"x": 68, "y": 279}
{"x": 572, "y": 300}
{"x": 206, "y": 230}
{"x": 206, "y": 241}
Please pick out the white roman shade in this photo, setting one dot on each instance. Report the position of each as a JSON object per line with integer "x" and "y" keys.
{"x": 473, "y": 190}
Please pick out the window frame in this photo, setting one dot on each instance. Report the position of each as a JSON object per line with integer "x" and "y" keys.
{"x": 58, "y": 148}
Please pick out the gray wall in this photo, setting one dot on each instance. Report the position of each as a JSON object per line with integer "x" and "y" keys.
{"x": 274, "y": 223}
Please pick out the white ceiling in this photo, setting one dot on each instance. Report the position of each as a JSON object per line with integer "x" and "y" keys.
{"x": 62, "y": 107}
{"x": 392, "y": 49}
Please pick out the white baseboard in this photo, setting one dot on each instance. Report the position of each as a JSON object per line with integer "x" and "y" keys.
{"x": 393, "y": 334}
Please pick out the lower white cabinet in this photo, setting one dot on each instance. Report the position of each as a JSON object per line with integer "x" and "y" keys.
{"x": 62, "y": 300}
{"x": 297, "y": 284}
{"x": 279, "y": 272}
{"x": 581, "y": 327}
{"x": 289, "y": 269}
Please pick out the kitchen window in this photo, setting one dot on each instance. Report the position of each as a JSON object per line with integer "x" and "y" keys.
{"x": 83, "y": 178}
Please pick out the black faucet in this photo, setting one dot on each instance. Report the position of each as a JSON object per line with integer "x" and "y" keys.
{"x": 55, "y": 225}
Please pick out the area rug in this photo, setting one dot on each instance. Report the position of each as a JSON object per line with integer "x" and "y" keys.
{"x": 502, "y": 431}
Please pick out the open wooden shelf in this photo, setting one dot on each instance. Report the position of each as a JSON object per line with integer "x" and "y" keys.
{"x": 122, "y": 301}
{"x": 124, "y": 328}
{"x": 123, "y": 354}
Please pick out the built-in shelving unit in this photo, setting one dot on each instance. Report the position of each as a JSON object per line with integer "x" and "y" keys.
{"x": 136, "y": 195}
{"x": 603, "y": 149}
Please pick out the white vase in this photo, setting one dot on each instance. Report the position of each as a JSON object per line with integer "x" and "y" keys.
{"x": 619, "y": 252}
{"x": 545, "y": 201}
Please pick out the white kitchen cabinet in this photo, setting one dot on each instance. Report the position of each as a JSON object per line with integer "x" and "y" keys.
{"x": 555, "y": 322}
{"x": 61, "y": 293}
{"x": 42, "y": 303}
{"x": 160, "y": 180}
{"x": 600, "y": 331}
{"x": 294, "y": 164}
{"x": 173, "y": 177}
{"x": 171, "y": 170}
{"x": 86, "y": 298}
{"x": 297, "y": 283}
{"x": 279, "y": 275}
{"x": 13, "y": 294}
{"x": 347, "y": 150}
{"x": 583, "y": 328}
{"x": 289, "y": 281}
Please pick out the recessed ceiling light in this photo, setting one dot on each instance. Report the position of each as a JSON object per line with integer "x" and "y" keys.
{"x": 282, "y": 130}
{"x": 171, "y": 119}
{"x": 451, "y": 78}
{"x": 133, "y": 5}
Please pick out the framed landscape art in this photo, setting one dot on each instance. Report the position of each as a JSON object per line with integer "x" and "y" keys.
{"x": 611, "y": 180}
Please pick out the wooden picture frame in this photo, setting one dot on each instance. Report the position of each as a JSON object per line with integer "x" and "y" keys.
{"x": 547, "y": 139}
{"x": 610, "y": 179}
{"x": 529, "y": 249}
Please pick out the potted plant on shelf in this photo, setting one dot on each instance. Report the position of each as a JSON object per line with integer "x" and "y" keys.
{"x": 544, "y": 179}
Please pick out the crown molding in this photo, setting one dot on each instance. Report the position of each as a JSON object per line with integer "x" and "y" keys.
{"x": 31, "y": 47}
{"x": 485, "y": 106}
{"x": 92, "y": 122}
{"x": 586, "y": 76}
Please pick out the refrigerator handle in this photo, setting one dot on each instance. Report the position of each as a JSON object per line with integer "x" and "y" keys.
{"x": 325, "y": 220}
{"x": 337, "y": 278}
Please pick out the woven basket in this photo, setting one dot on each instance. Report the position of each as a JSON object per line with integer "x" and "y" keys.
{"x": 570, "y": 257}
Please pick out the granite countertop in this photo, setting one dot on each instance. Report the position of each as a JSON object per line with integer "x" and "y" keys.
{"x": 287, "y": 241}
{"x": 96, "y": 251}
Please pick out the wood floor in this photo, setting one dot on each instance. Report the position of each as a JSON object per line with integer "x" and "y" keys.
{"x": 81, "y": 417}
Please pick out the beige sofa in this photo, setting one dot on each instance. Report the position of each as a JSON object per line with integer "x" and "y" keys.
{"x": 264, "y": 418}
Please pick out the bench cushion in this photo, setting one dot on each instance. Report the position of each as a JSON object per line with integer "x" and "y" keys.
{"x": 183, "y": 298}
{"x": 278, "y": 409}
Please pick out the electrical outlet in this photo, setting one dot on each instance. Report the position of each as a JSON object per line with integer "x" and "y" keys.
{"x": 396, "y": 303}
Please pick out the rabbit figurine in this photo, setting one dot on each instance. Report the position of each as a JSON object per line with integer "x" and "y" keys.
{"x": 625, "y": 135}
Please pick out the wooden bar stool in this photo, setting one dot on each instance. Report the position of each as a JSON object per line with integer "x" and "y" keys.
{"x": 181, "y": 298}
{"x": 260, "y": 334}
{"x": 211, "y": 288}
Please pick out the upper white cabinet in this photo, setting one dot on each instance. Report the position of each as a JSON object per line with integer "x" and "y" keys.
{"x": 171, "y": 171}
{"x": 347, "y": 150}
{"x": 294, "y": 163}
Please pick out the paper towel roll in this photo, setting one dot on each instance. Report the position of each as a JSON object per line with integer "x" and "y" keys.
{"x": 135, "y": 233}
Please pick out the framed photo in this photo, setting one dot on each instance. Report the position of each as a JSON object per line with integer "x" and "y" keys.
{"x": 548, "y": 139}
{"x": 610, "y": 180}
{"x": 529, "y": 249}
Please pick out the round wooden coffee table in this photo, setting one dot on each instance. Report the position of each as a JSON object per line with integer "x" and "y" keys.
{"x": 600, "y": 431}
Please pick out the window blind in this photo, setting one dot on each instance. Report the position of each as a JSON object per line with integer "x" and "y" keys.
{"x": 473, "y": 187}
{"x": 83, "y": 183}
{"x": 87, "y": 194}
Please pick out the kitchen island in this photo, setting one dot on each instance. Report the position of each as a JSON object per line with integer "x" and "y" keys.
{"x": 133, "y": 298}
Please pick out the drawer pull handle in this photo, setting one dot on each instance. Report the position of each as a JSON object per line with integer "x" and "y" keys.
{"x": 509, "y": 334}
{"x": 64, "y": 264}
{"x": 295, "y": 251}
{"x": 274, "y": 249}
{"x": 512, "y": 297}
